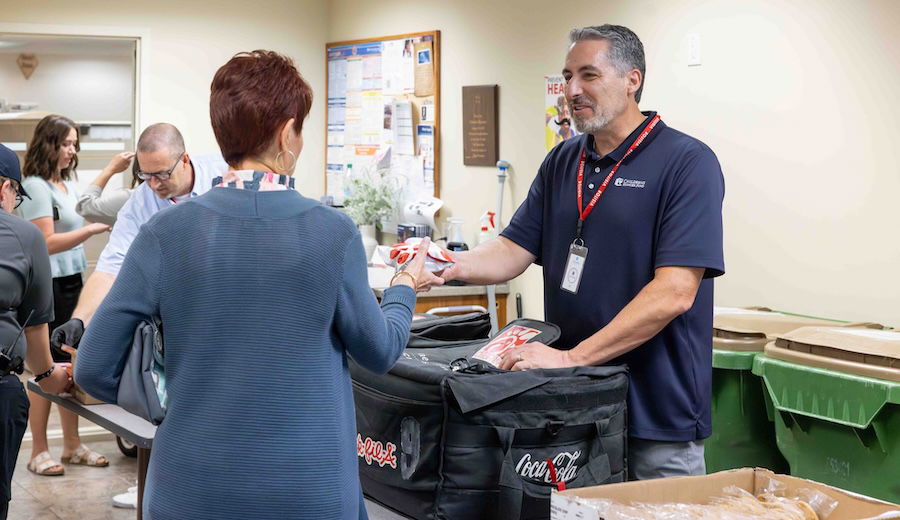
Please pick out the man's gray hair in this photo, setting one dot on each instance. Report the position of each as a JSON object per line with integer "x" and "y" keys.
{"x": 626, "y": 52}
{"x": 161, "y": 136}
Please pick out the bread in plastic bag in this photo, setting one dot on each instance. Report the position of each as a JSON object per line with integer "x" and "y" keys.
{"x": 734, "y": 504}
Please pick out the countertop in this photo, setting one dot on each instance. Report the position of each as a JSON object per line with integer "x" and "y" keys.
{"x": 445, "y": 291}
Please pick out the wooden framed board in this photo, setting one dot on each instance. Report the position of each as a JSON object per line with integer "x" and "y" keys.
{"x": 384, "y": 93}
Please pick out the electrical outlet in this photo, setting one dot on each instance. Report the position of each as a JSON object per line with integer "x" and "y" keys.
{"x": 693, "y": 47}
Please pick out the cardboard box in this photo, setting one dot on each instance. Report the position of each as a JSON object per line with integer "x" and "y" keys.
{"x": 80, "y": 395}
{"x": 567, "y": 505}
{"x": 83, "y": 397}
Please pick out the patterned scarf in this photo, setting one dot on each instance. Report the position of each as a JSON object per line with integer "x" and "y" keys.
{"x": 254, "y": 180}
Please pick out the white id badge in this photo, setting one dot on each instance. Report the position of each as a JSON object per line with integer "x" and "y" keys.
{"x": 574, "y": 268}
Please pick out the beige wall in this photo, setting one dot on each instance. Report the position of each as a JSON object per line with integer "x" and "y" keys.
{"x": 797, "y": 99}
{"x": 188, "y": 41}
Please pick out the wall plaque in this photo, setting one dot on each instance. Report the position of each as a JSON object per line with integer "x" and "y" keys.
{"x": 27, "y": 63}
{"x": 480, "y": 134}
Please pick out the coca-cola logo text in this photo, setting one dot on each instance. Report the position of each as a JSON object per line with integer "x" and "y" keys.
{"x": 564, "y": 462}
{"x": 376, "y": 451}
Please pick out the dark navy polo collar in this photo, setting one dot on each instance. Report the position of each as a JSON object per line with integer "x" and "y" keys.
{"x": 617, "y": 154}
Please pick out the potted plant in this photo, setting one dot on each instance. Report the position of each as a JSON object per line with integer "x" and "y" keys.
{"x": 371, "y": 196}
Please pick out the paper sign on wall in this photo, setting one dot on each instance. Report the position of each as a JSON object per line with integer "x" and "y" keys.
{"x": 558, "y": 124}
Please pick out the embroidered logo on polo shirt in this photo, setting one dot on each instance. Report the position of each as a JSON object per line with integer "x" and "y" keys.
{"x": 629, "y": 183}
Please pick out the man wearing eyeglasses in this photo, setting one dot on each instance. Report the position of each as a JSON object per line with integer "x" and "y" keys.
{"x": 26, "y": 306}
{"x": 171, "y": 176}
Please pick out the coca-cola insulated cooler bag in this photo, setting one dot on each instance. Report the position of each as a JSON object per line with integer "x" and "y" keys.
{"x": 429, "y": 331}
{"x": 445, "y": 435}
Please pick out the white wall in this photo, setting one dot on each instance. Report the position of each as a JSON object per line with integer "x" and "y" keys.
{"x": 797, "y": 99}
{"x": 188, "y": 41}
{"x": 89, "y": 88}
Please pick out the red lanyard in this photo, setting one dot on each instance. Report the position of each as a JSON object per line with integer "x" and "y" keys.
{"x": 583, "y": 213}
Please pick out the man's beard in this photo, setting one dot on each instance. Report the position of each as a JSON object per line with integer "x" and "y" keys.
{"x": 592, "y": 125}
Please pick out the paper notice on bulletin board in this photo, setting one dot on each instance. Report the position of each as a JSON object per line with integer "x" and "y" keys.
{"x": 397, "y": 65}
{"x": 558, "y": 125}
{"x": 404, "y": 141}
{"x": 425, "y": 135}
{"x": 424, "y": 60}
{"x": 372, "y": 118}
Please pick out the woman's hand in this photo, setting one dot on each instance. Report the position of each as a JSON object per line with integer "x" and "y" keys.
{"x": 415, "y": 267}
{"x": 119, "y": 163}
{"x": 97, "y": 228}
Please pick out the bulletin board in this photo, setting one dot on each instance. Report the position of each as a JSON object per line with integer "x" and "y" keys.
{"x": 384, "y": 93}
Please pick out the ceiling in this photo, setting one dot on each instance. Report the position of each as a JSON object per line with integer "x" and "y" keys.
{"x": 66, "y": 45}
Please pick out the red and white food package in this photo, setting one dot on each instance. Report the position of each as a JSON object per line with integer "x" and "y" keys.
{"x": 511, "y": 337}
{"x": 402, "y": 253}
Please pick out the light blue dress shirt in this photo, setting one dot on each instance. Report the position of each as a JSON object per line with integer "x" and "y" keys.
{"x": 144, "y": 203}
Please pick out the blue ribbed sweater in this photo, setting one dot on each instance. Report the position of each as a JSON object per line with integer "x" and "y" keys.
{"x": 262, "y": 295}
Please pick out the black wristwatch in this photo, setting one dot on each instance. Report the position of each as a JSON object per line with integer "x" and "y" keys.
{"x": 43, "y": 375}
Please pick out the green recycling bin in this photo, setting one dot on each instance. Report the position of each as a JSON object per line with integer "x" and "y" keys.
{"x": 743, "y": 433}
{"x": 835, "y": 397}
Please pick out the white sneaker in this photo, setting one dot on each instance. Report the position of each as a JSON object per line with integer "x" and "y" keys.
{"x": 127, "y": 500}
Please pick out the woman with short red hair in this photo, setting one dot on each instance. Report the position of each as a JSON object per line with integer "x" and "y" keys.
{"x": 263, "y": 293}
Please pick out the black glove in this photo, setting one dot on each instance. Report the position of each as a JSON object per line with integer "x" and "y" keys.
{"x": 69, "y": 333}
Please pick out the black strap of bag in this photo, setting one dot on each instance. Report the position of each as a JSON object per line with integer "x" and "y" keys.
{"x": 514, "y": 487}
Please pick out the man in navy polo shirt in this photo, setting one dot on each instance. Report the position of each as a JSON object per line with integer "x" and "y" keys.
{"x": 628, "y": 260}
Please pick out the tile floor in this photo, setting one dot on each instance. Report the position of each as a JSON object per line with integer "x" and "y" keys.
{"x": 83, "y": 493}
{"x": 86, "y": 493}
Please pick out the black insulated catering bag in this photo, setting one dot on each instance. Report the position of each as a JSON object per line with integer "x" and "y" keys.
{"x": 446, "y": 435}
{"x": 427, "y": 331}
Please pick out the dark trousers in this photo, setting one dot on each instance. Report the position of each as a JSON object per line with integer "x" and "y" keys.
{"x": 66, "y": 290}
{"x": 13, "y": 421}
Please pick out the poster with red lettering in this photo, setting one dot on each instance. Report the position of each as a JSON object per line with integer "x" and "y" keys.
{"x": 511, "y": 337}
{"x": 558, "y": 125}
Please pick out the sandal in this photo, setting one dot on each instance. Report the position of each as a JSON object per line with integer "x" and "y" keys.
{"x": 43, "y": 464}
{"x": 86, "y": 457}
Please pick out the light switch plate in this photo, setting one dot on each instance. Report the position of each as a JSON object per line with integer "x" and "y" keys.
{"x": 693, "y": 48}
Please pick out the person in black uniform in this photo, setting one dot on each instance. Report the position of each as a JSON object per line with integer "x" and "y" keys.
{"x": 26, "y": 307}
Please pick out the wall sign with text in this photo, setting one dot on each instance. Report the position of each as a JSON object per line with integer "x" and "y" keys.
{"x": 481, "y": 138}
